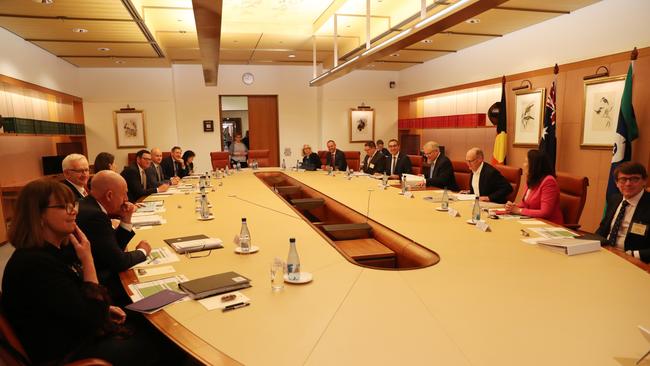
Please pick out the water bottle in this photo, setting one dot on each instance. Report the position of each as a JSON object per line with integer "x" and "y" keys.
{"x": 205, "y": 210}
{"x": 445, "y": 200}
{"x": 384, "y": 180}
{"x": 293, "y": 262}
{"x": 202, "y": 182}
{"x": 329, "y": 170}
{"x": 238, "y": 166}
{"x": 255, "y": 165}
{"x": 298, "y": 165}
{"x": 284, "y": 165}
{"x": 227, "y": 172}
{"x": 476, "y": 211}
{"x": 244, "y": 237}
{"x": 404, "y": 188}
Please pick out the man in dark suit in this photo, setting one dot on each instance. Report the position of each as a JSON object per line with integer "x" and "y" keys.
{"x": 136, "y": 177}
{"x": 155, "y": 175}
{"x": 374, "y": 161}
{"x": 108, "y": 199}
{"x": 335, "y": 157}
{"x": 441, "y": 173}
{"x": 76, "y": 173}
{"x": 626, "y": 222}
{"x": 173, "y": 165}
{"x": 486, "y": 181}
{"x": 382, "y": 149}
{"x": 397, "y": 163}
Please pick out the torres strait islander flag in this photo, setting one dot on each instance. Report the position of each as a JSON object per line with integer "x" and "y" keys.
{"x": 501, "y": 140}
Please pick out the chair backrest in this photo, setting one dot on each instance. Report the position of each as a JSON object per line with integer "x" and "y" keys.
{"x": 513, "y": 176}
{"x": 416, "y": 164}
{"x": 262, "y": 157}
{"x": 220, "y": 159}
{"x": 323, "y": 156}
{"x": 462, "y": 174}
{"x": 573, "y": 195}
{"x": 11, "y": 350}
{"x": 131, "y": 157}
{"x": 353, "y": 159}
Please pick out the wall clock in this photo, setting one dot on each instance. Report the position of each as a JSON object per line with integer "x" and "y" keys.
{"x": 247, "y": 78}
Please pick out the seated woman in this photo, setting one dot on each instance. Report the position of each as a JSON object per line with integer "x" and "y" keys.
{"x": 104, "y": 161}
{"x": 188, "y": 158}
{"x": 310, "y": 159}
{"x": 51, "y": 294}
{"x": 542, "y": 193}
{"x": 238, "y": 152}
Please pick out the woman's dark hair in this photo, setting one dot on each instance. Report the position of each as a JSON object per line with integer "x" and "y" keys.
{"x": 103, "y": 160}
{"x": 188, "y": 154}
{"x": 27, "y": 229}
{"x": 539, "y": 166}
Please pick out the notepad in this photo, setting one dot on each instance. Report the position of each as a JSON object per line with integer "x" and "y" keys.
{"x": 155, "y": 302}
{"x": 194, "y": 243}
{"x": 215, "y": 284}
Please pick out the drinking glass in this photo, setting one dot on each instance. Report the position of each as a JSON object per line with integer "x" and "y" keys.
{"x": 277, "y": 274}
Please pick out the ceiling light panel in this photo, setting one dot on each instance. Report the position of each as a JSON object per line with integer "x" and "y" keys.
{"x": 110, "y": 62}
{"x": 92, "y": 49}
{"x": 272, "y": 16}
{"x": 498, "y": 21}
{"x": 62, "y": 29}
{"x": 167, "y": 19}
{"x": 103, "y": 9}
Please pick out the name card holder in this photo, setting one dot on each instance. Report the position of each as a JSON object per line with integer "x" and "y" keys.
{"x": 483, "y": 226}
{"x": 453, "y": 212}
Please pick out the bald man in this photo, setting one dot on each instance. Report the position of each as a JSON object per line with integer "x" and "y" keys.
{"x": 486, "y": 181}
{"x": 108, "y": 199}
{"x": 155, "y": 174}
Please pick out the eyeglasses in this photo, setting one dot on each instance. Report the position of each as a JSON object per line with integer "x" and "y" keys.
{"x": 471, "y": 161}
{"x": 80, "y": 171}
{"x": 623, "y": 180}
{"x": 69, "y": 207}
{"x": 392, "y": 145}
{"x": 197, "y": 249}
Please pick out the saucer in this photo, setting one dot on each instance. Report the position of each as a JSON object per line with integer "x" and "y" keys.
{"x": 305, "y": 277}
{"x": 442, "y": 209}
{"x": 211, "y": 217}
{"x": 254, "y": 249}
{"x": 470, "y": 222}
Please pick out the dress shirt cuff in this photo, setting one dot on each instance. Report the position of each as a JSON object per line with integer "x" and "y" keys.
{"x": 143, "y": 251}
{"x": 125, "y": 226}
{"x": 636, "y": 254}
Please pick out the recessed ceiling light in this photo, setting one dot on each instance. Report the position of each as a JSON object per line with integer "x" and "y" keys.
{"x": 80, "y": 30}
{"x": 473, "y": 21}
{"x": 427, "y": 41}
{"x": 103, "y": 49}
{"x": 395, "y": 55}
{"x": 120, "y": 61}
{"x": 44, "y": 2}
{"x": 292, "y": 56}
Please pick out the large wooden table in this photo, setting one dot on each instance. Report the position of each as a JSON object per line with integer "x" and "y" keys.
{"x": 491, "y": 300}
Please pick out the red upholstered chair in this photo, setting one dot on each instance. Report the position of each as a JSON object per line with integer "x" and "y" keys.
{"x": 220, "y": 159}
{"x": 462, "y": 174}
{"x": 513, "y": 176}
{"x": 573, "y": 194}
{"x": 262, "y": 157}
{"x": 416, "y": 164}
{"x": 353, "y": 159}
{"x": 323, "y": 157}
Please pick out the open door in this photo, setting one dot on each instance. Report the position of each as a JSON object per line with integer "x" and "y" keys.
{"x": 264, "y": 125}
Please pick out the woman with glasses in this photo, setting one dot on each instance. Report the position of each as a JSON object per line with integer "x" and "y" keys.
{"x": 310, "y": 159}
{"x": 542, "y": 193}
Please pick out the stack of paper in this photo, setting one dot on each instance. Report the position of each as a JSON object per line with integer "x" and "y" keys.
{"x": 144, "y": 289}
{"x": 159, "y": 256}
{"x": 464, "y": 196}
{"x": 147, "y": 220}
{"x": 414, "y": 180}
{"x": 571, "y": 246}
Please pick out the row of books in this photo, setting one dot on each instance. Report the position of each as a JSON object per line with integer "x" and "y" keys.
{"x": 455, "y": 121}
{"x": 34, "y": 126}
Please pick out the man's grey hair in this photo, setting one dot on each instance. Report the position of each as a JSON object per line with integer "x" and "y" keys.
{"x": 67, "y": 162}
{"x": 431, "y": 145}
{"x": 477, "y": 152}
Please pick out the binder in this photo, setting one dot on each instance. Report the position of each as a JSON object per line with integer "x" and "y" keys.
{"x": 571, "y": 246}
{"x": 214, "y": 285}
{"x": 193, "y": 243}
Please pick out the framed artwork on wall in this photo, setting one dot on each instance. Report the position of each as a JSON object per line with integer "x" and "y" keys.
{"x": 362, "y": 124}
{"x": 602, "y": 101}
{"x": 529, "y": 116}
{"x": 129, "y": 128}
{"x": 208, "y": 126}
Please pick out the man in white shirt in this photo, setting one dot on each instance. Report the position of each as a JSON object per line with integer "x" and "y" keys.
{"x": 626, "y": 221}
{"x": 486, "y": 181}
{"x": 136, "y": 177}
{"x": 76, "y": 173}
{"x": 397, "y": 163}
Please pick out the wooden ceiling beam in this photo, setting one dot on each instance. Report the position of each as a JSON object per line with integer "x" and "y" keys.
{"x": 84, "y": 41}
{"x": 550, "y": 11}
{"x": 207, "y": 15}
{"x": 59, "y": 17}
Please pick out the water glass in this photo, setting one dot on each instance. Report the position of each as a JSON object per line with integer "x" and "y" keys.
{"x": 277, "y": 274}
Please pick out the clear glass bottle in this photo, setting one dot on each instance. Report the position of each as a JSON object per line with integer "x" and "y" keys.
{"x": 293, "y": 261}
{"x": 205, "y": 210}
{"x": 384, "y": 179}
{"x": 298, "y": 164}
{"x": 244, "y": 237}
{"x": 445, "y": 200}
{"x": 476, "y": 211}
{"x": 404, "y": 187}
{"x": 329, "y": 170}
{"x": 284, "y": 165}
{"x": 238, "y": 166}
{"x": 227, "y": 171}
{"x": 202, "y": 182}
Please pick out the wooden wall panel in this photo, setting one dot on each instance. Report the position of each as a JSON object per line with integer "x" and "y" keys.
{"x": 264, "y": 125}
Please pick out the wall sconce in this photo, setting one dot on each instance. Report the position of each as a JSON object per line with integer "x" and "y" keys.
{"x": 598, "y": 74}
{"x": 522, "y": 86}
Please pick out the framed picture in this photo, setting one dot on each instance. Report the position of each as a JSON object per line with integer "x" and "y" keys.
{"x": 602, "y": 101}
{"x": 208, "y": 126}
{"x": 129, "y": 129}
{"x": 529, "y": 116}
{"x": 362, "y": 125}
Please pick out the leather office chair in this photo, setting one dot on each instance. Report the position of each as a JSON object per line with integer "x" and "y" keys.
{"x": 262, "y": 157}
{"x": 416, "y": 164}
{"x": 573, "y": 195}
{"x": 513, "y": 176}
{"x": 462, "y": 174}
{"x": 353, "y": 158}
{"x": 323, "y": 158}
{"x": 220, "y": 159}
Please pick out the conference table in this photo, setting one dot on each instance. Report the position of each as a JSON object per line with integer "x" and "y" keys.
{"x": 491, "y": 299}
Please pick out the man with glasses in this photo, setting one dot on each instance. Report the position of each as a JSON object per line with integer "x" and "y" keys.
{"x": 625, "y": 225}
{"x": 486, "y": 181}
{"x": 374, "y": 161}
{"x": 76, "y": 173}
{"x": 397, "y": 163}
{"x": 440, "y": 173}
{"x": 136, "y": 177}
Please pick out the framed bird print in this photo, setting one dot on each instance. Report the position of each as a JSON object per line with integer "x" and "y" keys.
{"x": 602, "y": 101}
{"x": 362, "y": 124}
{"x": 129, "y": 128}
{"x": 529, "y": 116}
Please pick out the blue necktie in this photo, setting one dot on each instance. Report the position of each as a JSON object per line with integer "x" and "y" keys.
{"x": 611, "y": 239}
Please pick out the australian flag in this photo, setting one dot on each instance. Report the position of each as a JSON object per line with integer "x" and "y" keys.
{"x": 548, "y": 143}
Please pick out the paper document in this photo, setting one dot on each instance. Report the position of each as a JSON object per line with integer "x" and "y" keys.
{"x": 144, "y": 289}
{"x": 215, "y": 302}
{"x": 571, "y": 246}
{"x": 159, "y": 256}
{"x": 552, "y": 232}
{"x": 464, "y": 196}
{"x": 146, "y": 220}
{"x": 530, "y": 222}
{"x": 153, "y": 271}
{"x": 155, "y": 302}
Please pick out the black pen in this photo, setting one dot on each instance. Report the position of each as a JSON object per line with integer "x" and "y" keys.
{"x": 236, "y": 306}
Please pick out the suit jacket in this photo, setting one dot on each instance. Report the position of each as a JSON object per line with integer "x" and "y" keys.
{"x": 376, "y": 165}
{"x": 492, "y": 184}
{"x": 77, "y": 195}
{"x": 543, "y": 201}
{"x": 168, "y": 165}
{"x": 402, "y": 166}
{"x": 107, "y": 244}
{"x": 131, "y": 175}
{"x": 339, "y": 160}
{"x": 311, "y": 161}
{"x": 443, "y": 174}
{"x": 385, "y": 152}
{"x": 633, "y": 241}
{"x": 153, "y": 181}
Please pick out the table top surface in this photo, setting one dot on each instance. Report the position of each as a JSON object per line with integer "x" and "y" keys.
{"x": 491, "y": 300}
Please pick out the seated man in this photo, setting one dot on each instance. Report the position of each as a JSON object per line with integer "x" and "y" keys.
{"x": 136, "y": 177}
{"x": 155, "y": 175}
{"x": 375, "y": 161}
{"x": 108, "y": 199}
{"x": 397, "y": 163}
{"x": 335, "y": 157}
{"x": 441, "y": 172}
{"x": 625, "y": 225}
{"x": 173, "y": 165}
{"x": 382, "y": 149}
{"x": 76, "y": 173}
{"x": 486, "y": 181}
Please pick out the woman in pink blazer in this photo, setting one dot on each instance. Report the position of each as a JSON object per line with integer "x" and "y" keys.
{"x": 542, "y": 194}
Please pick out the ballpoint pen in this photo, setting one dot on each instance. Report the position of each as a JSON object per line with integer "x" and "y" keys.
{"x": 236, "y": 306}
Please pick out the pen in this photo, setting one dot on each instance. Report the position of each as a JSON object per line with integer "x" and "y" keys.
{"x": 236, "y": 306}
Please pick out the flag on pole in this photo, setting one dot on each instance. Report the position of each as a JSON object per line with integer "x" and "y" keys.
{"x": 626, "y": 131}
{"x": 501, "y": 140}
{"x": 548, "y": 143}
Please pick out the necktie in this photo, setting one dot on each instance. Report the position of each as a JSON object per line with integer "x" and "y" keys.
{"x": 617, "y": 224}
{"x": 392, "y": 166}
{"x": 433, "y": 165}
{"x": 159, "y": 173}
{"x": 332, "y": 159}
{"x": 143, "y": 179}
{"x": 175, "y": 170}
